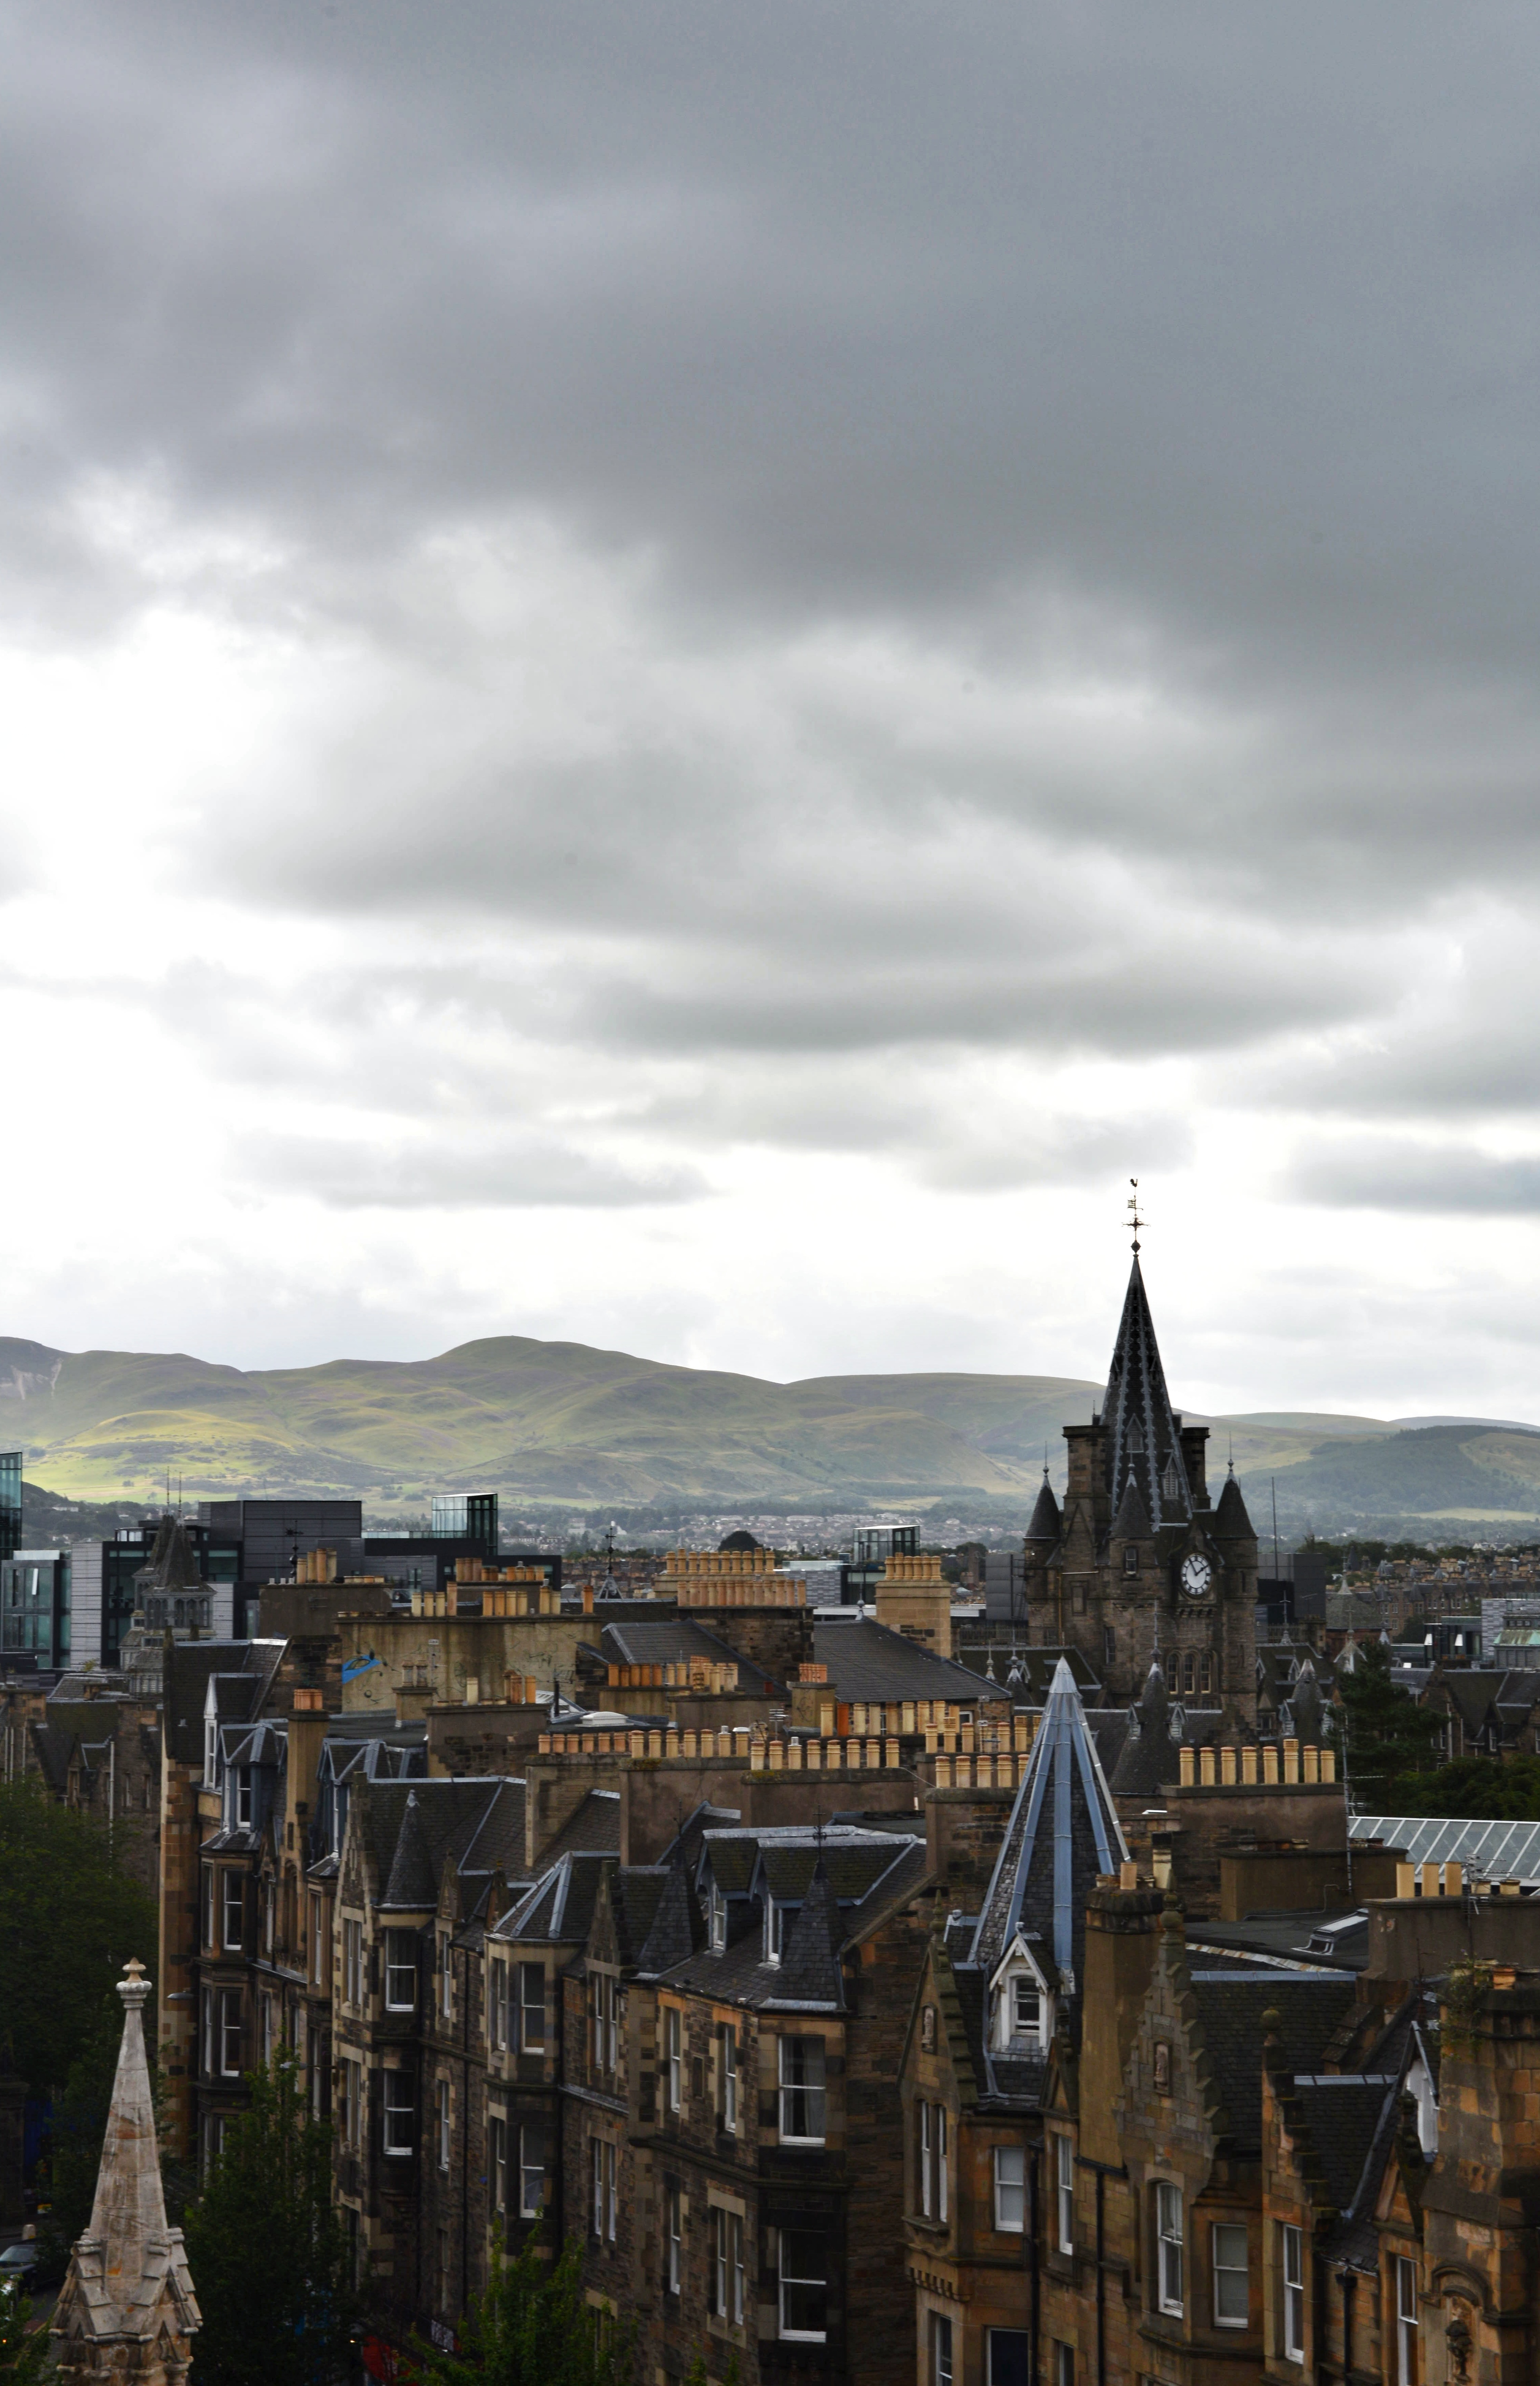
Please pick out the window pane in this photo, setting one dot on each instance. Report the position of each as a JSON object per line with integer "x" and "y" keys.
{"x": 1008, "y": 2357}
{"x": 1011, "y": 2174}
{"x": 804, "y": 2288}
{"x": 1230, "y": 2275}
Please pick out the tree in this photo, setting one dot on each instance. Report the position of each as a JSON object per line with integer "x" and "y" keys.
{"x": 69, "y": 1919}
{"x": 1388, "y": 1735}
{"x": 535, "y": 2328}
{"x": 266, "y": 2246}
{"x": 75, "y": 2132}
{"x": 24, "y": 2349}
{"x": 1476, "y": 1788}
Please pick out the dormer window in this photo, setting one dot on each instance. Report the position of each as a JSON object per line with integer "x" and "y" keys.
{"x": 772, "y": 1931}
{"x": 716, "y": 1920}
{"x": 1135, "y": 1441}
{"x": 210, "y": 1748}
{"x": 1170, "y": 1482}
{"x": 243, "y": 1799}
{"x": 1023, "y": 2009}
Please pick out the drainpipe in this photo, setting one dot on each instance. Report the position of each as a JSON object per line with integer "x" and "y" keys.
{"x": 465, "y": 2137}
{"x": 1104, "y": 2171}
{"x": 1034, "y": 2286}
{"x": 1348, "y": 2282}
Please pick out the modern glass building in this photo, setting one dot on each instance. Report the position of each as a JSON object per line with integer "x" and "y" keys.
{"x": 10, "y": 1502}
{"x": 467, "y": 1516}
{"x": 34, "y": 1609}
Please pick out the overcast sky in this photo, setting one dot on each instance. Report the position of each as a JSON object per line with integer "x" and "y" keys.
{"x": 682, "y": 675}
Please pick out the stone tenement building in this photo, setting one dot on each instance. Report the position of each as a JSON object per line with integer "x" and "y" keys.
{"x": 1140, "y": 1560}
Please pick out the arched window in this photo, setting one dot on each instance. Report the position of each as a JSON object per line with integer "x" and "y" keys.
{"x": 1135, "y": 1441}
{"x": 1189, "y": 1673}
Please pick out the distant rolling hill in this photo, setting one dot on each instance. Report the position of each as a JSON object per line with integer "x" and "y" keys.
{"x": 561, "y": 1422}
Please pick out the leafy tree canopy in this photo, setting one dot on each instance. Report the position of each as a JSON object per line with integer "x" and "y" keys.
{"x": 1388, "y": 1735}
{"x": 533, "y": 2328}
{"x": 1474, "y": 1787}
{"x": 266, "y": 2250}
{"x": 69, "y": 1919}
{"x": 24, "y": 2348}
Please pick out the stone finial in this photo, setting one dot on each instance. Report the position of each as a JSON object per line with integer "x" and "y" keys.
{"x": 127, "y": 2309}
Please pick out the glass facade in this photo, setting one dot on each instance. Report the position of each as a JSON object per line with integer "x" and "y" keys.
{"x": 10, "y": 1502}
{"x": 34, "y": 1606}
{"x": 467, "y": 1516}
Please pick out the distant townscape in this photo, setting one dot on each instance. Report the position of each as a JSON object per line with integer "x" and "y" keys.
{"x": 878, "y": 1950}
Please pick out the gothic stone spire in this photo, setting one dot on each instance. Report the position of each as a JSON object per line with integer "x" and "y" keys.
{"x": 1142, "y": 1438}
{"x": 1063, "y": 1832}
{"x": 127, "y": 2309}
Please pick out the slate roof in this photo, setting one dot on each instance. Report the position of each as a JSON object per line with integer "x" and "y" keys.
{"x": 636, "y": 1892}
{"x": 1141, "y": 1428}
{"x": 1148, "y": 1758}
{"x": 1063, "y": 1831}
{"x": 849, "y": 1882}
{"x": 247, "y": 1666}
{"x": 1230, "y": 2004}
{"x": 809, "y": 1969}
{"x": 592, "y": 1828}
{"x": 867, "y": 1661}
{"x": 411, "y": 1881}
{"x": 1230, "y": 1519}
{"x": 678, "y": 1925}
{"x": 670, "y": 1639}
{"x": 559, "y": 1909}
{"x": 1047, "y": 1522}
{"x": 474, "y": 1826}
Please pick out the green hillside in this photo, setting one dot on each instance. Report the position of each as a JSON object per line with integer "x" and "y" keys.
{"x": 561, "y": 1422}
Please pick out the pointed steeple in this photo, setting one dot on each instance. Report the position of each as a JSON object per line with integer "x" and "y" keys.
{"x": 1063, "y": 1831}
{"x": 411, "y": 1885}
{"x": 173, "y": 1564}
{"x": 1048, "y": 1524}
{"x": 1231, "y": 1520}
{"x": 1141, "y": 1430}
{"x": 1149, "y": 1759}
{"x": 127, "y": 2307}
{"x": 811, "y": 1969}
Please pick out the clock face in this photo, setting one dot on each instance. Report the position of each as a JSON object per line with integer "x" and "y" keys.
{"x": 1196, "y": 1574}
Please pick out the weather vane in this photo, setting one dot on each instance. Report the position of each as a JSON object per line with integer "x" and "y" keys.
{"x": 1134, "y": 1220}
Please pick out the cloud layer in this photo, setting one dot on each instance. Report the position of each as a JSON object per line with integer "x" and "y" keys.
{"x": 692, "y": 673}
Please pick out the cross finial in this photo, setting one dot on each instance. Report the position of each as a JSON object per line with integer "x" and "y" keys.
{"x": 1134, "y": 1220}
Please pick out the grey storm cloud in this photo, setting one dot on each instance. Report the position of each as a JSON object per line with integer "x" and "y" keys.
{"x": 518, "y": 1174}
{"x": 1154, "y": 391}
{"x": 1397, "y": 1173}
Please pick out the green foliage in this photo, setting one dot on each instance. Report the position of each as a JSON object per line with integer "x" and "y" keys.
{"x": 69, "y": 1919}
{"x": 1388, "y": 1736}
{"x": 1476, "y": 1787}
{"x": 75, "y": 2134}
{"x": 266, "y": 2246}
{"x": 23, "y": 2349}
{"x": 533, "y": 2328}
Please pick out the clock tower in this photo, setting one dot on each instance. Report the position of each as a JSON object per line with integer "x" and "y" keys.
{"x": 1140, "y": 1559}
